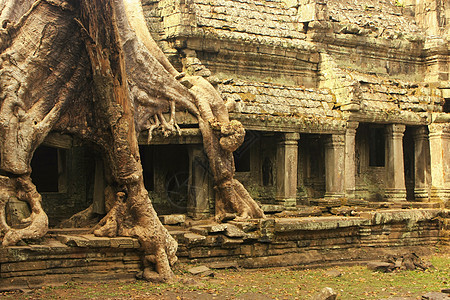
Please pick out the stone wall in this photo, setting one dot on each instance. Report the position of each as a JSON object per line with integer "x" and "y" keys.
{"x": 305, "y": 242}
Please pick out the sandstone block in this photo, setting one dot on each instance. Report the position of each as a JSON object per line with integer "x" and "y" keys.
{"x": 97, "y": 242}
{"x": 333, "y": 273}
{"x": 379, "y": 266}
{"x": 201, "y": 270}
{"x": 270, "y": 209}
{"x": 192, "y": 238}
{"x": 245, "y": 226}
{"x": 291, "y": 3}
{"x": 124, "y": 242}
{"x": 172, "y": 219}
{"x": 325, "y": 294}
{"x": 226, "y": 241}
{"x": 435, "y": 296}
{"x": 234, "y": 232}
{"x": 215, "y": 228}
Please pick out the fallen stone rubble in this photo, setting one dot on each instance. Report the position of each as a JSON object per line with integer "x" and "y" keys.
{"x": 397, "y": 263}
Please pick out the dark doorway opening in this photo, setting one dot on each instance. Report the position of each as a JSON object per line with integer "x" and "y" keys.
{"x": 377, "y": 152}
{"x": 45, "y": 171}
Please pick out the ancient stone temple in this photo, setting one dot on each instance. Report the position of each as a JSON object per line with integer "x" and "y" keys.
{"x": 343, "y": 101}
{"x": 346, "y": 107}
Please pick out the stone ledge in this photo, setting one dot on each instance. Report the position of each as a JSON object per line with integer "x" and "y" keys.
{"x": 318, "y": 223}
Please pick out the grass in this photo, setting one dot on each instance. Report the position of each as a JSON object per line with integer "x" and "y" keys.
{"x": 355, "y": 282}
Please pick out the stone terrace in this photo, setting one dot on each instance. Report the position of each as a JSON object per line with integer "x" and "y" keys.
{"x": 301, "y": 241}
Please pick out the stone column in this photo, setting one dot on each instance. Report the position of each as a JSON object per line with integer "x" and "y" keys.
{"x": 200, "y": 188}
{"x": 395, "y": 169}
{"x": 287, "y": 156}
{"x": 350, "y": 163}
{"x": 421, "y": 165}
{"x": 440, "y": 161}
{"x": 335, "y": 166}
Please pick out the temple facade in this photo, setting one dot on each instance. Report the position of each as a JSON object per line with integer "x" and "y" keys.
{"x": 344, "y": 103}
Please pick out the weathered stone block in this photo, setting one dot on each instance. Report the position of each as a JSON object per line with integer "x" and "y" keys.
{"x": 192, "y": 238}
{"x": 317, "y": 223}
{"x": 177, "y": 234}
{"x": 325, "y": 294}
{"x": 291, "y": 3}
{"x": 380, "y": 266}
{"x": 435, "y": 296}
{"x": 245, "y": 226}
{"x": 124, "y": 242}
{"x": 199, "y": 270}
{"x": 234, "y": 232}
{"x": 172, "y": 219}
{"x": 307, "y": 12}
{"x": 199, "y": 230}
{"x": 270, "y": 208}
{"x": 205, "y": 229}
{"x": 97, "y": 242}
{"x": 227, "y": 242}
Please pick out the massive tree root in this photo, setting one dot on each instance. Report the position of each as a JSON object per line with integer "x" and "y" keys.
{"x": 38, "y": 221}
{"x": 133, "y": 215}
{"x": 220, "y": 138}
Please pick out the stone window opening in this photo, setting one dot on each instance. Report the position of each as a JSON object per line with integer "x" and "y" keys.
{"x": 377, "y": 147}
{"x": 242, "y": 161}
{"x": 242, "y": 155}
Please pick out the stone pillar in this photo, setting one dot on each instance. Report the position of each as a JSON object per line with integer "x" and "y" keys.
{"x": 200, "y": 188}
{"x": 440, "y": 161}
{"x": 287, "y": 156}
{"x": 335, "y": 166}
{"x": 421, "y": 165}
{"x": 395, "y": 169}
{"x": 350, "y": 163}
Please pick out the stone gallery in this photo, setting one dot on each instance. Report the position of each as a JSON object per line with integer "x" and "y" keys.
{"x": 344, "y": 157}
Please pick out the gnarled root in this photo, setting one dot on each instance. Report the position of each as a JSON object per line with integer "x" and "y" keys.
{"x": 133, "y": 215}
{"x": 84, "y": 218}
{"x": 232, "y": 197}
{"x": 38, "y": 219}
{"x": 232, "y": 135}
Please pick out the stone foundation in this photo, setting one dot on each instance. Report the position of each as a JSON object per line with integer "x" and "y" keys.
{"x": 304, "y": 242}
